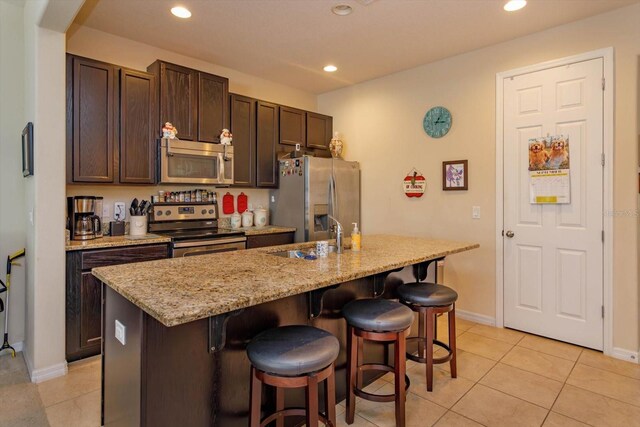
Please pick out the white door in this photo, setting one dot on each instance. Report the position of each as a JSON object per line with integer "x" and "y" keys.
{"x": 553, "y": 263}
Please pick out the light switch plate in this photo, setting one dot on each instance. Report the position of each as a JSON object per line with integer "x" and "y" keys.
{"x": 121, "y": 333}
{"x": 119, "y": 211}
{"x": 106, "y": 211}
{"x": 475, "y": 213}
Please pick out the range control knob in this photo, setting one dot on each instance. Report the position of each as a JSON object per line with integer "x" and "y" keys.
{"x": 159, "y": 213}
{"x": 210, "y": 211}
{"x": 204, "y": 211}
{"x": 167, "y": 212}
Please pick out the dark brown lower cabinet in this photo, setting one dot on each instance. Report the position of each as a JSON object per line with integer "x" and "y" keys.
{"x": 275, "y": 239}
{"x": 84, "y": 297}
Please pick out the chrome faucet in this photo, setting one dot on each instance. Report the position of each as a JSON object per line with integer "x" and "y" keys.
{"x": 338, "y": 228}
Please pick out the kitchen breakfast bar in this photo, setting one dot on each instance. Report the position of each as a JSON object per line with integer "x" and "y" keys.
{"x": 175, "y": 331}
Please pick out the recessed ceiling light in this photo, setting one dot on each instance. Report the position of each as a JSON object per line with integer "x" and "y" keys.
{"x": 342, "y": 9}
{"x": 330, "y": 68}
{"x": 513, "y": 5}
{"x": 181, "y": 12}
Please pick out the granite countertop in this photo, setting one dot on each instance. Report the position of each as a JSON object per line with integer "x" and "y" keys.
{"x": 115, "y": 242}
{"x": 181, "y": 290}
{"x": 267, "y": 229}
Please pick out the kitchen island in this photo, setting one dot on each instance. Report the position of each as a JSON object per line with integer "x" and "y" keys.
{"x": 187, "y": 322}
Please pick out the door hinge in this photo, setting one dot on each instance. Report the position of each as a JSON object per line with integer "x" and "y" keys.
{"x": 602, "y": 159}
{"x": 603, "y": 83}
{"x": 603, "y": 311}
{"x": 602, "y": 236}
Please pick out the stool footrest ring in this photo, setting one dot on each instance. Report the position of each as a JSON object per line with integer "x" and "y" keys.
{"x": 378, "y": 397}
{"x": 294, "y": 411}
{"x": 423, "y": 359}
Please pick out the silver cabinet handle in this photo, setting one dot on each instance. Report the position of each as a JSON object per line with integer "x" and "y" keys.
{"x": 509, "y": 234}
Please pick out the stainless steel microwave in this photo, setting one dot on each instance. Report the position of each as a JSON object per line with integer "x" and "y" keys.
{"x": 189, "y": 162}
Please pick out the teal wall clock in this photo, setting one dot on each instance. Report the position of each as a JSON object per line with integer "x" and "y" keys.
{"x": 437, "y": 122}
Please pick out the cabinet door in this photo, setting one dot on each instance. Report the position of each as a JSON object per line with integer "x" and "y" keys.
{"x": 90, "y": 310}
{"x": 243, "y": 127}
{"x": 267, "y": 138}
{"x": 138, "y": 127}
{"x": 93, "y": 131}
{"x": 319, "y": 130}
{"x": 213, "y": 107}
{"x": 179, "y": 99}
{"x": 292, "y": 126}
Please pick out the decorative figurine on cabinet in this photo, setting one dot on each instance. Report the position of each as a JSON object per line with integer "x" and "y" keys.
{"x": 335, "y": 146}
{"x": 169, "y": 131}
{"x": 226, "y": 137}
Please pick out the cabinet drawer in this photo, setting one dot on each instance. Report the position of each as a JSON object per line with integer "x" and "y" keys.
{"x": 104, "y": 257}
{"x": 269, "y": 240}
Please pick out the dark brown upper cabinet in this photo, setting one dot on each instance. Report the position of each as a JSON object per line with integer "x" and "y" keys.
{"x": 213, "y": 109}
{"x": 138, "y": 127}
{"x": 91, "y": 121}
{"x": 267, "y": 139}
{"x": 319, "y": 130}
{"x": 196, "y": 103}
{"x": 293, "y": 126}
{"x": 178, "y": 98}
{"x": 243, "y": 127}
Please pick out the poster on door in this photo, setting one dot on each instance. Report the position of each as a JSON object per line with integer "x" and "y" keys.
{"x": 549, "y": 170}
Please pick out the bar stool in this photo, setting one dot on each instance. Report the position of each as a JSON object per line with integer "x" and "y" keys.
{"x": 429, "y": 300}
{"x": 377, "y": 320}
{"x": 293, "y": 357}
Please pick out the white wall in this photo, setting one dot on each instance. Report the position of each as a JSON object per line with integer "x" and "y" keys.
{"x": 381, "y": 123}
{"x": 12, "y": 212}
{"x": 45, "y": 191}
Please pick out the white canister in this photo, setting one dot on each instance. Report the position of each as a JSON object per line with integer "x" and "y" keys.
{"x": 247, "y": 219}
{"x": 236, "y": 220}
{"x": 138, "y": 225}
{"x": 260, "y": 217}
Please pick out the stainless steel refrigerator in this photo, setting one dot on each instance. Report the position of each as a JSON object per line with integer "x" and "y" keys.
{"x": 311, "y": 189}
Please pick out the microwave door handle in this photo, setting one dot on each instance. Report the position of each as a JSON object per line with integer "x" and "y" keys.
{"x": 220, "y": 168}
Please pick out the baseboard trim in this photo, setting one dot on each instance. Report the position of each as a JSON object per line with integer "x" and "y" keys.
{"x": 475, "y": 317}
{"x": 48, "y": 373}
{"x": 626, "y": 355}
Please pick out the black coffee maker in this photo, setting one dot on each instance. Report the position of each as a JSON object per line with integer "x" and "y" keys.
{"x": 83, "y": 222}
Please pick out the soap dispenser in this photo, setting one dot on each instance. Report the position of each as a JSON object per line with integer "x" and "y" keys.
{"x": 356, "y": 242}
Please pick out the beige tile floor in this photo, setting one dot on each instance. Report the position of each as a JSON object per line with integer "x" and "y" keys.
{"x": 505, "y": 378}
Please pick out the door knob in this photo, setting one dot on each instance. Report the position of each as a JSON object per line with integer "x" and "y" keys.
{"x": 509, "y": 234}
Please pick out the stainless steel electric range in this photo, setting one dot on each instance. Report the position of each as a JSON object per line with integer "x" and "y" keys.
{"x": 193, "y": 228}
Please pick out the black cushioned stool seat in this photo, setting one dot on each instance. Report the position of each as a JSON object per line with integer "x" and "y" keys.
{"x": 427, "y": 294}
{"x": 379, "y": 315}
{"x": 429, "y": 300}
{"x": 382, "y": 321}
{"x": 292, "y": 357}
{"x": 293, "y": 350}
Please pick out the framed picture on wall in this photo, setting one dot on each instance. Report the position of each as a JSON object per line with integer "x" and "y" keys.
{"x": 27, "y": 150}
{"x": 455, "y": 175}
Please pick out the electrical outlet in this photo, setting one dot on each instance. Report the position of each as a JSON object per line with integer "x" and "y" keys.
{"x": 273, "y": 199}
{"x": 475, "y": 212}
{"x": 121, "y": 333}
{"x": 106, "y": 211}
{"x": 119, "y": 211}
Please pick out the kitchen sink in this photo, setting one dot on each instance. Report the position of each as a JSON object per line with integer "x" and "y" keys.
{"x": 299, "y": 253}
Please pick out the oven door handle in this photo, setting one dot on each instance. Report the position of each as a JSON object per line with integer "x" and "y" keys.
{"x": 209, "y": 242}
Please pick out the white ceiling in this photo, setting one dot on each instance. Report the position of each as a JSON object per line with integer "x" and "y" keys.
{"x": 289, "y": 41}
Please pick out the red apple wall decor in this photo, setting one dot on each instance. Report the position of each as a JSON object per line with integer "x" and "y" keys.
{"x": 414, "y": 184}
